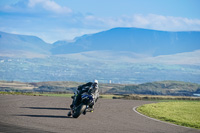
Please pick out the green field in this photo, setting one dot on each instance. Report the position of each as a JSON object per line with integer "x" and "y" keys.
{"x": 184, "y": 113}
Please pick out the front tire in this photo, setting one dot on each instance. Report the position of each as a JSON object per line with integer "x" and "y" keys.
{"x": 80, "y": 109}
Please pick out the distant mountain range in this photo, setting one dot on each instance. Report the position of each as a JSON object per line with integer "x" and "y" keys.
{"x": 135, "y": 40}
{"x": 119, "y": 55}
{"x": 141, "y": 41}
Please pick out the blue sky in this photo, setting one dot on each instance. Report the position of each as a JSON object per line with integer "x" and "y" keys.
{"x": 54, "y": 20}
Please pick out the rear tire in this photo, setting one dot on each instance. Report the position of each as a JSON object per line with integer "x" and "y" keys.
{"x": 80, "y": 109}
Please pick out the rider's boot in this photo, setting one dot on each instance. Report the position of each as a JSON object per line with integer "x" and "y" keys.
{"x": 91, "y": 108}
{"x": 69, "y": 113}
{"x": 84, "y": 112}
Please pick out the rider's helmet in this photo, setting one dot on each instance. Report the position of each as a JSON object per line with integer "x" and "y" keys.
{"x": 95, "y": 81}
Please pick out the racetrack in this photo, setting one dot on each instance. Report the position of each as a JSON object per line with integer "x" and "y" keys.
{"x": 49, "y": 114}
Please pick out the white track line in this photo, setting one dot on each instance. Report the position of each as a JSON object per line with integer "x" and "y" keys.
{"x": 134, "y": 109}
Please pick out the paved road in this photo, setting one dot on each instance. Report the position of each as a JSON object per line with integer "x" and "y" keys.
{"x": 35, "y": 114}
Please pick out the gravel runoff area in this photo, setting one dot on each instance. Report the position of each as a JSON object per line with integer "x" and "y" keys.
{"x": 36, "y": 114}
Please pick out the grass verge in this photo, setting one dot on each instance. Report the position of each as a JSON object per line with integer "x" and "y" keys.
{"x": 56, "y": 95}
{"x": 53, "y": 94}
{"x": 157, "y": 97}
{"x": 184, "y": 113}
{"x": 69, "y": 95}
{"x": 19, "y": 93}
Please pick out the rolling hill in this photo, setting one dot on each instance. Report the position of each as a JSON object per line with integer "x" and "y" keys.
{"x": 175, "y": 88}
{"x": 19, "y": 44}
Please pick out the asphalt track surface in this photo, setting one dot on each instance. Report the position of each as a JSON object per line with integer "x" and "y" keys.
{"x": 40, "y": 114}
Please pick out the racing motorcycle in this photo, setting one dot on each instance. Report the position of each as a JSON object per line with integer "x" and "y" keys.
{"x": 85, "y": 104}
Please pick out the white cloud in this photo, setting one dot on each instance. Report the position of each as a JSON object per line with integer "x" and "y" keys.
{"x": 168, "y": 23}
{"x": 78, "y": 20}
{"x": 49, "y": 5}
{"x": 159, "y": 22}
{"x": 151, "y": 21}
{"x": 36, "y": 6}
{"x": 37, "y": 17}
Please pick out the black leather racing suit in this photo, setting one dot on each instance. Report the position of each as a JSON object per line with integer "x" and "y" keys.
{"x": 90, "y": 87}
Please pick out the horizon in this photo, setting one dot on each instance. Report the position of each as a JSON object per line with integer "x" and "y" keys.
{"x": 53, "y": 20}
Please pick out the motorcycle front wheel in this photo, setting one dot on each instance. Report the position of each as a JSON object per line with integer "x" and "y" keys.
{"x": 79, "y": 110}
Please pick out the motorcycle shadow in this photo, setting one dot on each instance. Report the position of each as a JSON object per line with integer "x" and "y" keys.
{"x": 45, "y": 116}
{"x": 48, "y": 108}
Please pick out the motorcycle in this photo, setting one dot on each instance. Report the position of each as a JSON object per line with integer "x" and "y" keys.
{"x": 85, "y": 104}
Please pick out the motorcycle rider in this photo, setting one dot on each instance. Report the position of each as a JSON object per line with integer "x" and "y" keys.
{"x": 91, "y": 88}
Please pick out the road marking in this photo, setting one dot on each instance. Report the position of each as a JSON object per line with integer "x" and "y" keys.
{"x": 134, "y": 109}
